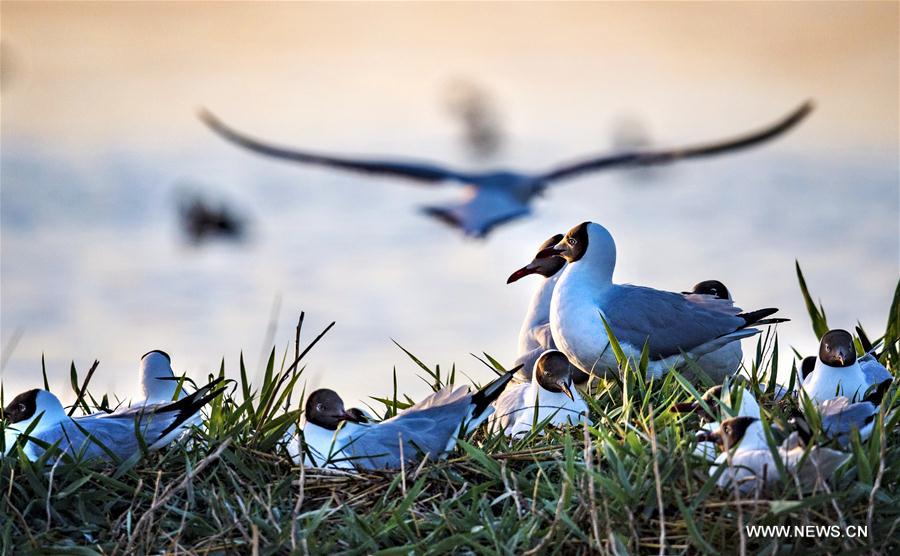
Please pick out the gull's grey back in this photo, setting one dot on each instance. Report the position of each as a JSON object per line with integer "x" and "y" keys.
{"x": 424, "y": 428}
{"x": 115, "y": 431}
{"x": 679, "y": 324}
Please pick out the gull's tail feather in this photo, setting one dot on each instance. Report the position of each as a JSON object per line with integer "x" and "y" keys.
{"x": 189, "y": 406}
{"x": 758, "y": 317}
{"x": 770, "y": 321}
{"x": 483, "y": 398}
{"x": 722, "y": 340}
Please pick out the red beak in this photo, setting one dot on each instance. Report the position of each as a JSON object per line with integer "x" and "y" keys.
{"x": 524, "y": 271}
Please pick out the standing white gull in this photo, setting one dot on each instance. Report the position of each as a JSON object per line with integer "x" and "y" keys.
{"x": 550, "y": 396}
{"x": 495, "y": 197}
{"x": 837, "y": 371}
{"x": 671, "y": 324}
{"x": 752, "y": 466}
{"x": 100, "y": 435}
{"x": 334, "y": 438}
{"x": 534, "y": 336}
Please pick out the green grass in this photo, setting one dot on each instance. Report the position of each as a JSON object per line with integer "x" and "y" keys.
{"x": 626, "y": 483}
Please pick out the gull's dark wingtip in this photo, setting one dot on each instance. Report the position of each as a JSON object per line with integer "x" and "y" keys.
{"x": 206, "y": 116}
{"x": 800, "y": 113}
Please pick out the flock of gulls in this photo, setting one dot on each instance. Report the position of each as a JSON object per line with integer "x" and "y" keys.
{"x": 579, "y": 326}
{"x": 578, "y": 319}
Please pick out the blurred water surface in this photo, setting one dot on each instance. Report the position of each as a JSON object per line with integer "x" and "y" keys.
{"x": 99, "y": 134}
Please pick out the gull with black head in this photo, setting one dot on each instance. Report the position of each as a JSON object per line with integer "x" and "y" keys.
{"x": 751, "y": 466}
{"x": 671, "y": 324}
{"x": 534, "y": 336}
{"x": 837, "y": 371}
{"x": 550, "y": 397}
{"x": 334, "y": 437}
{"x": 726, "y": 360}
{"x": 495, "y": 197}
{"x": 844, "y": 395}
{"x": 872, "y": 369}
{"x": 40, "y": 417}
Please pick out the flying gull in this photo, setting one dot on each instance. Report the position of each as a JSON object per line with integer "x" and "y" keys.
{"x": 495, "y": 197}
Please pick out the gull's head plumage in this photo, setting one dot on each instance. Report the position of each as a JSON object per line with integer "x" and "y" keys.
{"x": 591, "y": 244}
{"x": 711, "y": 287}
{"x": 730, "y": 432}
{"x": 33, "y": 404}
{"x": 325, "y": 408}
{"x": 554, "y": 373}
{"x": 837, "y": 349}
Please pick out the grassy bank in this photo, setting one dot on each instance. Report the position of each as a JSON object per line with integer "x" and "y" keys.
{"x": 628, "y": 483}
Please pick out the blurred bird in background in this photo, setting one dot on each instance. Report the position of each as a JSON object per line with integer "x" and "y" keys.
{"x": 493, "y": 197}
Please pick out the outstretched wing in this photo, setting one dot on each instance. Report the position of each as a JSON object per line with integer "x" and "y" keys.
{"x": 481, "y": 211}
{"x": 653, "y": 156}
{"x": 419, "y": 171}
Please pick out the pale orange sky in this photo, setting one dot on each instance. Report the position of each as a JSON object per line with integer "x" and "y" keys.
{"x": 100, "y": 72}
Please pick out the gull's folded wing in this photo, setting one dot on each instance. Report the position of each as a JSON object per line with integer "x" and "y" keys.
{"x": 677, "y": 324}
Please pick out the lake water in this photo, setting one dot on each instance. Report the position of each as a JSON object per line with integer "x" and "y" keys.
{"x": 99, "y": 136}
